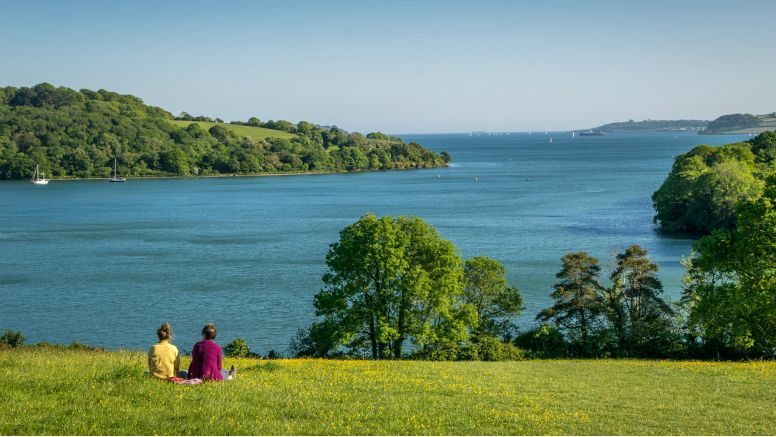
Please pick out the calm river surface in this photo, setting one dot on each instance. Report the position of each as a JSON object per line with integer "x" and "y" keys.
{"x": 107, "y": 263}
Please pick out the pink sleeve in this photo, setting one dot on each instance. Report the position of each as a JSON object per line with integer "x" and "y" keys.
{"x": 193, "y": 367}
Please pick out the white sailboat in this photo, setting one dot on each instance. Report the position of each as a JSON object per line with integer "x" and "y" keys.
{"x": 116, "y": 177}
{"x": 38, "y": 179}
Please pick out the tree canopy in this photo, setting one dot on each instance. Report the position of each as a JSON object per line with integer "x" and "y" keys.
{"x": 391, "y": 281}
{"x": 627, "y": 318}
{"x": 395, "y": 288}
{"x": 706, "y": 184}
{"x": 577, "y": 297}
{"x": 494, "y": 301}
{"x": 78, "y": 133}
{"x": 731, "y": 282}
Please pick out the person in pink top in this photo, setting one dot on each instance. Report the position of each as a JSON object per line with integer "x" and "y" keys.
{"x": 206, "y": 358}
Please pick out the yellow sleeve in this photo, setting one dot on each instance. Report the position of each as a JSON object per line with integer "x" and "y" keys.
{"x": 177, "y": 362}
{"x": 151, "y": 360}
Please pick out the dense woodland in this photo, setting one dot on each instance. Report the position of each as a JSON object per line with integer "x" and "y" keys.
{"x": 78, "y": 133}
{"x": 731, "y": 122}
{"x": 706, "y": 184}
{"x": 644, "y": 125}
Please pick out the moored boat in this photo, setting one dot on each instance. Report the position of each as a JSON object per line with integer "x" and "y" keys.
{"x": 116, "y": 177}
{"x": 38, "y": 179}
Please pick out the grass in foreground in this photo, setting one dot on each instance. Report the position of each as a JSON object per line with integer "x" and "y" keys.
{"x": 252, "y": 132}
{"x": 45, "y": 391}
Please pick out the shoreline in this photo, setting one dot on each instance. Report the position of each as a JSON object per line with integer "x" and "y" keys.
{"x": 230, "y": 175}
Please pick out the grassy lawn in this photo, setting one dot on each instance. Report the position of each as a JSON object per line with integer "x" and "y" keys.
{"x": 254, "y": 133}
{"x": 45, "y": 391}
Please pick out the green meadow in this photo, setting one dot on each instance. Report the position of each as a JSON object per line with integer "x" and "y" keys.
{"x": 60, "y": 391}
{"x": 252, "y": 132}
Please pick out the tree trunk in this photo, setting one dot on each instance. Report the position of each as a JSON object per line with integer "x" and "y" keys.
{"x": 373, "y": 337}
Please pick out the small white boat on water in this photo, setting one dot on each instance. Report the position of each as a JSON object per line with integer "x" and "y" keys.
{"x": 38, "y": 179}
{"x": 116, "y": 177}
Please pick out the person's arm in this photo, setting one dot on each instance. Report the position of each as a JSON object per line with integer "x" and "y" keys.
{"x": 151, "y": 361}
{"x": 220, "y": 354}
{"x": 177, "y": 363}
{"x": 194, "y": 362}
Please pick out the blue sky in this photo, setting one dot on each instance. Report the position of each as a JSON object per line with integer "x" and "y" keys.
{"x": 406, "y": 67}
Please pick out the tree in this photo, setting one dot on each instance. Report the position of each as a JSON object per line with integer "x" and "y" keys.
{"x": 705, "y": 185}
{"x": 640, "y": 318}
{"x": 717, "y": 193}
{"x": 578, "y": 303}
{"x": 238, "y": 349}
{"x": 174, "y": 160}
{"x": 494, "y": 301}
{"x": 12, "y": 338}
{"x": 764, "y": 147}
{"x": 391, "y": 281}
{"x": 731, "y": 283}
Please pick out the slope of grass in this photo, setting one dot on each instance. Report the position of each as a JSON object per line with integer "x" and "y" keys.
{"x": 49, "y": 391}
{"x": 252, "y": 132}
{"x": 766, "y": 122}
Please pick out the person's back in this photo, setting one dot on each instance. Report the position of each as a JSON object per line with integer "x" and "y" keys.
{"x": 206, "y": 361}
{"x": 163, "y": 357}
{"x": 206, "y": 358}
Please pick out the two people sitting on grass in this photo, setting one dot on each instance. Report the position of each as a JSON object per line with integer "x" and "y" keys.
{"x": 206, "y": 357}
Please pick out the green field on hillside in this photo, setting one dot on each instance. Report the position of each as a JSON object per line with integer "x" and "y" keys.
{"x": 55, "y": 391}
{"x": 742, "y": 124}
{"x": 252, "y": 132}
{"x": 767, "y": 123}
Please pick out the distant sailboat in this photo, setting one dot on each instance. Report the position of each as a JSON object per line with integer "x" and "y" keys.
{"x": 573, "y": 134}
{"x": 550, "y": 139}
{"x": 116, "y": 177}
{"x": 38, "y": 179}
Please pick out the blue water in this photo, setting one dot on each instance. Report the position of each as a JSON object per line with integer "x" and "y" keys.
{"x": 105, "y": 263}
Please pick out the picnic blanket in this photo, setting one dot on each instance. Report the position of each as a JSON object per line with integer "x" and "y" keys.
{"x": 184, "y": 381}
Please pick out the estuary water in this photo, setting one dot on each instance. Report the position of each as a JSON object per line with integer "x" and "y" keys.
{"x": 106, "y": 264}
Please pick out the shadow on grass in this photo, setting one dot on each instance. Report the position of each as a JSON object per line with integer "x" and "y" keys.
{"x": 123, "y": 372}
{"x": 267, "y": 367}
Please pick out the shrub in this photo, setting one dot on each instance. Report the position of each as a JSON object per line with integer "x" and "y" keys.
{"x": 546, "y": 341}
{"x": 484, "y": 348}
{"x": 446, "y": 352}
{"x": 274, "y": 355}
{"x": 12, "y": 338}
{"x": 238, "y": 349}
{"x": 488, "y": 348}
{"x": 314, "y": 341}
{"x": 77, "y": 345}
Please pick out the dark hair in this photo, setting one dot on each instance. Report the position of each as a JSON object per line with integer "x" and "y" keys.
{"x": 164, "y": 332}
{"x": 209, "y": 331}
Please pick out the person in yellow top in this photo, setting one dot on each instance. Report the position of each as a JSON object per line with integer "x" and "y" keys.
{"x": 163, "y": 358}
